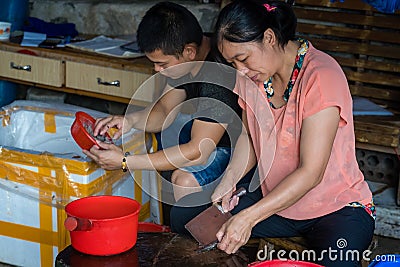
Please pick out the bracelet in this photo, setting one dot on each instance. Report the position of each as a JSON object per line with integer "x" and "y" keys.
{"x": 124, "y": 165}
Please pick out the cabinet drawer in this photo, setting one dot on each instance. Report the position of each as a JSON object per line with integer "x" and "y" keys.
{"x": 108, "y": 81}
{"x": 31, "y": 68}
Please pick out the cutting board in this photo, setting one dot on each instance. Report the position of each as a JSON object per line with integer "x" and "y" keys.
{"x": 204, "y": 227}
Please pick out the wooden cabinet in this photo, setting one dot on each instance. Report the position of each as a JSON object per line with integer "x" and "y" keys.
{"x": 108, "y": 81}
{"x": 78, "y": 72}
{"x": 32, "y": 68}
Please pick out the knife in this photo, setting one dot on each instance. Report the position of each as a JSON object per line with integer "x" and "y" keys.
{"x": 205, "y": 226}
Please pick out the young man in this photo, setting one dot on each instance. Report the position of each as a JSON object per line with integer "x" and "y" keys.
{"x": 171, "y": 37}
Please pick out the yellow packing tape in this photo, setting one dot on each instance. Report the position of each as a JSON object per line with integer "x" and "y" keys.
{"x": 49, "y": 160}
{"x": 144, "y": 211}
{"x": 61, "y": 185}
{"x": 37, "y": 109}
{"x": 28, "y": 233}
{"x": 159, "y": 181}
{"x": 45, "y": 215}
{"x": 50, "y": 123}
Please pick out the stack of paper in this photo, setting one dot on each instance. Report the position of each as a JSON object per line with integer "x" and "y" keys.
{"x": 107, "y": 46}
{"x": 32, "y": 39}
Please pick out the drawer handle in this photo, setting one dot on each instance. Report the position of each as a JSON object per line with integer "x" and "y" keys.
{"x": 114, "y": 83}
{"x": 18, "y": 67}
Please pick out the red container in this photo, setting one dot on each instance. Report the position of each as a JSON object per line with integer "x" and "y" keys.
{"x": 102, "y": 225}
{"x": 79, "y": 130}
{"x": 148, "y": 227}
{"x": 283, "y": 263}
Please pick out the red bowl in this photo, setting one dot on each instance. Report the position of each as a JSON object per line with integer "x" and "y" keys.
{"x": 82, "y": 131}
{"x": 102, "y": 225}
{"x": 283, "y": 263}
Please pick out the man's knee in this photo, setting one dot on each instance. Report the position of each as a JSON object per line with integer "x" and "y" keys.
{"x": 184, "y": 179}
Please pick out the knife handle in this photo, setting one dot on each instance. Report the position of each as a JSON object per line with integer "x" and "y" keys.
{"x": 239, "y": 192}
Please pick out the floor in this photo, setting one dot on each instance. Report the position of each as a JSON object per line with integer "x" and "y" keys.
{"x": 384, "y": 246}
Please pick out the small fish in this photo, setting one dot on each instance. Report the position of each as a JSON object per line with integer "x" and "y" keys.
{"x": 207, "y": 247}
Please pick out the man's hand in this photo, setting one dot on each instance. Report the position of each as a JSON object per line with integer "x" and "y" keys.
{"x": 103, "y": 125}
{"x": 107, "y": 156}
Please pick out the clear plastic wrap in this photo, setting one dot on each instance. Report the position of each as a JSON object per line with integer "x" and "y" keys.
{"x": 39, "y": 158}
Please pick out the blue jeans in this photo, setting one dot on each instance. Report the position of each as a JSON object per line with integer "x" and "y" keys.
{"x": 214, "y": 168}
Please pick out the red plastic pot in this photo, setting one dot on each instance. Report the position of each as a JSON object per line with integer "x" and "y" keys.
{"x": 102, "y": 225}
{"x": 79, "y": 130}
{"x": 148, "y": 227}
{"x": 283, "y": 263}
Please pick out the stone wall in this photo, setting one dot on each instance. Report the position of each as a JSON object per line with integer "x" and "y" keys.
{"x": 111, "y": 18}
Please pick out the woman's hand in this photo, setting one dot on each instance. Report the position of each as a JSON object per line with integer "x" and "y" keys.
{"x": 223, "y": 193}
{"x": 234, "y": 233}
{"x": 108, "y": 158}
{"x": 103, "y": 125}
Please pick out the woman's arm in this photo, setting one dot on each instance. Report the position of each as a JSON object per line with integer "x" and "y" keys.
{"x": 242, "y": 161}
{"x": 317, "y": 137}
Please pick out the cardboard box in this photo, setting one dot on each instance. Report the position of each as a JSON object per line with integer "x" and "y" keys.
{"x": 42, "y": 169}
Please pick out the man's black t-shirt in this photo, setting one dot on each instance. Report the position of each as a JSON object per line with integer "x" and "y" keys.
{"x": 211, "y": 95}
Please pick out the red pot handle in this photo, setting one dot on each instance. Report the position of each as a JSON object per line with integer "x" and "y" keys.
{"x": 77, "y": 224}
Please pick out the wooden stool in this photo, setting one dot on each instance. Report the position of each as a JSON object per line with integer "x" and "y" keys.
{"x": 271, "y": 246}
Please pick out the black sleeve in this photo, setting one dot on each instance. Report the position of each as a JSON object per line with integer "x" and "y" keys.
{"x": 217, "y": 103}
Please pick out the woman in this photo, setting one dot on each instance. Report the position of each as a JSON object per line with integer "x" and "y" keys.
{"x": 312, "y": 186}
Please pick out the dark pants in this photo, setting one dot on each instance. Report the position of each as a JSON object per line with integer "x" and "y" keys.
{"x": 333, "y": 240}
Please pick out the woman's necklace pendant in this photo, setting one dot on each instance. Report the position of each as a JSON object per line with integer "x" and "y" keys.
{"x": 270, "y": 91}
{"x": 268, "y": 88}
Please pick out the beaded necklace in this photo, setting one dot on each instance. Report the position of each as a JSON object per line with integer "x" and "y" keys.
{"x": 301, "y": 52}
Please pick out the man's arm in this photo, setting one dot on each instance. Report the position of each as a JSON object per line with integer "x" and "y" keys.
{"x": 161, "y": 114}
{"x": 204, "y": 137}
{"x": 151, "y": 119}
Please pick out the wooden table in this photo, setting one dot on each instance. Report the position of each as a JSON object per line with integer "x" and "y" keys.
{"x": 159, "y": 249}
{"x": 74, "y": 71}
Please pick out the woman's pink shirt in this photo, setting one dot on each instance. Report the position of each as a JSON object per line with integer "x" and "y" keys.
{"x": 321, "y": 84}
